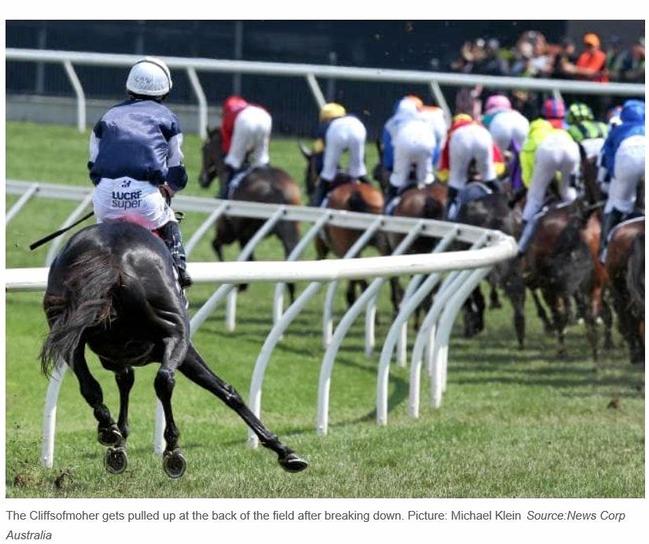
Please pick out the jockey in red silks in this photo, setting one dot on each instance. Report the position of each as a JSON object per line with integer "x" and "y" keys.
{"x": 245, "y": 137}
{"x": 468, "y": 140}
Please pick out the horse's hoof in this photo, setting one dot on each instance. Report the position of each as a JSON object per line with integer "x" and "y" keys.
{"x": 174, "y": 464}
{"x": 292, "y": 463}
{"x": 116, "y": 460}
{"x": 110, "y": 436}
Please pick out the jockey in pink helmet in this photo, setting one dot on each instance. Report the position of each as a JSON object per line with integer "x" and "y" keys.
{"x": 497, "y": 102}
{"x": 505, "y": 124}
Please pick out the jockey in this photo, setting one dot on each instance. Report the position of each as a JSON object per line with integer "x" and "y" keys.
{"x": 468, "y": 141}
{"x": 546, "y": 151}
{"x": 245, "y": 134}
{"x": 405, "y": 109}
{"x": 414, "y": 144}
{"x": 435, "y": 116}
{"x": 583, "y": 128}
{"x": 504, "y": 123}
{"x": 338, "y": 132}
{"x": 623, "y": 156}
{"x": 554, "y": 110}
{"x": 136, "y": 162}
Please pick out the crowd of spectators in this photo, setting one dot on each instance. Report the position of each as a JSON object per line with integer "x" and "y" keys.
{"x": 533, "y": 56}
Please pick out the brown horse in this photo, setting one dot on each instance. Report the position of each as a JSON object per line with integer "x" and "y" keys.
{"x": 562, "y": 263}
{"x": 265, "y": 184}
{"x": 350, "y": 195}
{"x": 625, "y": 267}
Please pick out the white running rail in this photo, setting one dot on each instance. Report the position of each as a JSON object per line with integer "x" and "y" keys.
{"x": 465, "y": 269}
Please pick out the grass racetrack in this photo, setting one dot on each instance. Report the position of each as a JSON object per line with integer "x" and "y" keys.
{"x": 513, "y": 423}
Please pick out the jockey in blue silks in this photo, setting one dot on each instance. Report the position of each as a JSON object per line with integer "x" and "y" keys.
{"x": 623, "y": 159}
{"x": 405, "y": 109}
{"x": 136, "y": 162}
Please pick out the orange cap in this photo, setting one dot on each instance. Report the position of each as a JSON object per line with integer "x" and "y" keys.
{"x": 591, "y": 39}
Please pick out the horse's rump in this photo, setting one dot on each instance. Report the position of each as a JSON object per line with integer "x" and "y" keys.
{"x": 635, "y": 276}
{"x": 102, "y": 272}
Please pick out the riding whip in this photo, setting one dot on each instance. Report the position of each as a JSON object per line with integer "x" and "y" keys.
{"x": 53, "y": 235}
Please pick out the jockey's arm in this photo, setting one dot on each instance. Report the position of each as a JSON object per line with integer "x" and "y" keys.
{"x": 93, "y": 148}
{"x": 388, "y": 149}
{"x": 177, "y": 175}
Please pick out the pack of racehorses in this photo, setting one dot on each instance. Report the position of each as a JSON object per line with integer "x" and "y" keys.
{"x": 113, "y": 289}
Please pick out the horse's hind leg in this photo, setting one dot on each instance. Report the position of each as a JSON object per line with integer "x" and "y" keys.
{"x": 607, "y": 319}
{"x": 585, "y": 309}
{"x": 289, "y": 234}
{"x": 540, "y": 311}
{"x": 494, "y": 300}
{"x": 517, "y": 298}
{"x": 173, "y": 462}
{"x": 197, "y": 371}
{"x": 125, "y": 380}
{"x": 108, "y": 433}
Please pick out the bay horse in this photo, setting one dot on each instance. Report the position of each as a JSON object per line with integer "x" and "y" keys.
{"x": 351, "y": 195}
{"x": 265, "y": 184}
{"x": 112, "y": 288}
{"x": 625, "y": 267}
{"x": 562, "y": 263}
{"x": 565, "y": 265}
{"x": 423, "y": 202}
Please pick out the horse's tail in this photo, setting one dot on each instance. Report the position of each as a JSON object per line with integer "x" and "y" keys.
{"x": 86, "y": 302}
{"x": 357, "y": 202}
{"x": 635, "y": 275}
{"x": 570, "y": 263}
{"x": 433, "y": 208}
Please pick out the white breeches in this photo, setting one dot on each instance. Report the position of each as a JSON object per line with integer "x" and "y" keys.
{"x": 592, "y": 147}
{"x": 554, "y": 154}
{"x": 344, "y": 134}
{"x": 629, "y": 168}
{"x": 470, "y": 142}
{"x": 251, "y": 137}
{"x": 414, "y": 145}
{"x": 131, "y": 200}
{"x": 507, "y": 126}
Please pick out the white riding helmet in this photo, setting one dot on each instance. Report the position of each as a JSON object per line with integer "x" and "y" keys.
{"x": 149, "y": 77}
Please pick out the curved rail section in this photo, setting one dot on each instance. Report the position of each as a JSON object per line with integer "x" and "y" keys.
{"x": 461, "y": 270}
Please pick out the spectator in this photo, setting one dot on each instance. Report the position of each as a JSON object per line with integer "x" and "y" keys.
{"x": 633, "y": 68}
{"x": 566, "y": 56}
{"x": 591, "y": 64}
{"x": 492, "y": 64}
{"x": 616, "y": 57}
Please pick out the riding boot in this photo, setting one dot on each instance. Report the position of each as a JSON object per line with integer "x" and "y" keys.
{"x": 321, "y": 190}
{"x": 527, "y": 233}
{"x": 608, "y": 223}
{"x": 451, "y": 204}
{"x": 225, "y": 187}
{"x": 391, "y": 193}
{"x": 170, "y": 234}
{"x": 364, "y": 179}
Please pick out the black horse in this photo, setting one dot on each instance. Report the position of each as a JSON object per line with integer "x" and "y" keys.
{"x": 492, "y": 211}
{"x": 113, "y": 288}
